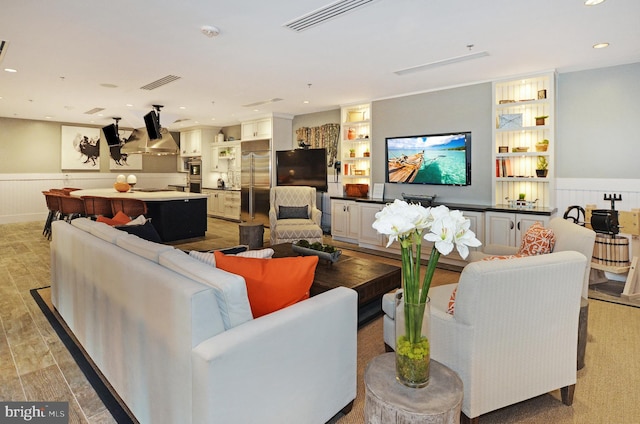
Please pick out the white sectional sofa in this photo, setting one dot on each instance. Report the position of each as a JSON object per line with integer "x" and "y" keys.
{"x": 176, "y": 339}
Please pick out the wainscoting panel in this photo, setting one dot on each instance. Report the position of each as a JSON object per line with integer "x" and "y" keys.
{"x": 22, "y": 199}
{"x": 585, "y": 191}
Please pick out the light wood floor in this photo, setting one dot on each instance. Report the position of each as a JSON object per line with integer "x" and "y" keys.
{"x": 34, "y": 364}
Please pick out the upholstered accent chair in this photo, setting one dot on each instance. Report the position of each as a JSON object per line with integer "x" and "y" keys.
{"x": 514, "y": 329}
{"x": 293, "y": 215}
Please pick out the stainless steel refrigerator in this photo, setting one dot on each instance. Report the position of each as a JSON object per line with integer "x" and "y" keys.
{"x": 255, "y": 180}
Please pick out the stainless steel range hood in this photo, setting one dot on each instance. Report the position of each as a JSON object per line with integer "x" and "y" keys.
{"x": 139, "y": 143}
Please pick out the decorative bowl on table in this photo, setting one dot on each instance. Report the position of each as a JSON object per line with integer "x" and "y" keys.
{"x": 323, "y": 251}
{"x": 122, "y": 187}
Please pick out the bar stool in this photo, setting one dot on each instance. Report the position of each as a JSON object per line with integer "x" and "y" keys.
{"x": 130, "y": 207}
{"x": 53, "y": 205}
{"x": 96, "y": 205}
{"x": 71, "y": 207}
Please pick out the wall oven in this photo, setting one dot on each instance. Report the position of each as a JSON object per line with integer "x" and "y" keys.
{"x": 194, "y": 180}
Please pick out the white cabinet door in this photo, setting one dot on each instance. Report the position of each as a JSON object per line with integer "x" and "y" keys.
{"x": 367, "y": 234}
{"x": 191, "y": 143}
{"x": 256, "y": 130}
{"x": 219, "y": 159}
{"x": 232, "y": 205}
{"x": 476, "y": 220}
{"x": 345, "y": 220}
{"x": 508, "y": 228}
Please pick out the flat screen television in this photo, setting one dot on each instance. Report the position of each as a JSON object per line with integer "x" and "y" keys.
{"x": 302, "y": 167}
{"x": 439, "y": 159}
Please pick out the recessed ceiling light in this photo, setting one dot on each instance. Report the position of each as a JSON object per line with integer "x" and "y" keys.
{"x": 210, "y": 31}
{"x": 592, "y": 2}
{"x": 600, "y": 45}
{"x": 47, "y": 117}
{"x": 129, "y": 105}
{"x": 10, "y": 70}
{"x": 182, "y": 107}
{"x": 306, "y": 102}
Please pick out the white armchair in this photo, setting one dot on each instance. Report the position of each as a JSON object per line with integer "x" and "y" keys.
{"x": 513, "y": 335}
{"x": 569, "y": 236}
{"x": 293, "y": 215}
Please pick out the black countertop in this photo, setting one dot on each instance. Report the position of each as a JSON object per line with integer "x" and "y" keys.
{"x": 463, "y": 206}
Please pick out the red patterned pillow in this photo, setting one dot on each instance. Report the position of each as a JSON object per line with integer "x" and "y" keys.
{"x": 537, "y": 241}
{"x": 451, "y": 307}
{"x": 500, "y": 257}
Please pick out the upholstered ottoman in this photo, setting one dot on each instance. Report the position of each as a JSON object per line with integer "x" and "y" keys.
{"x": 292, "y": 232}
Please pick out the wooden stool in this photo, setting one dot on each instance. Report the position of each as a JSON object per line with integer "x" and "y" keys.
{"x": 251, "y": 234}
{"x": 389, "y": 401}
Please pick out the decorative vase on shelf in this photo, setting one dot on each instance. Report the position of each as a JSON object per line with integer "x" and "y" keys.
{"x": 351, "y": 134}
{"x": 412, "y": 343}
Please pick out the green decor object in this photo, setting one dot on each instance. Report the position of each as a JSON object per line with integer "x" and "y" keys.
{"x": 323, "y": 251}
{"x": 409, "y": 224}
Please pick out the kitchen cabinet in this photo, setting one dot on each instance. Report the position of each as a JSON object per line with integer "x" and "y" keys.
{"x": 232, "y": 205}
{"x": 223, "y": 204}
{"x": 345, "y": 220}
{"x": 256, "y": 130}
{"x": 508, "y": 228}
{"x": 367, "y": 235}
{"x": 225, "y": 157}
{"x": 191, "y": 141}
{"x": 215, "y": 203}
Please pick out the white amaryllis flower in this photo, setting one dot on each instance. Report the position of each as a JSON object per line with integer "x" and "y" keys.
{"x": 449, "y": 229}
{"x": 393, "y": 221}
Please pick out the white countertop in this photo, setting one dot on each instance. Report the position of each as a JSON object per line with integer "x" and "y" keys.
{"x": 140, "y": 195}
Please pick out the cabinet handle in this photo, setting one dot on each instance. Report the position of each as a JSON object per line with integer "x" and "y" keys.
{"x": 518, "y": 225}
{"x": 511, "y": 225}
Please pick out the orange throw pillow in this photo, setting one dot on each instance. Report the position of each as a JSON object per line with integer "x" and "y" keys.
{"x": 120, "y": 219}
{"x": 537, "y": 241}
{"x": 272, "y": 284}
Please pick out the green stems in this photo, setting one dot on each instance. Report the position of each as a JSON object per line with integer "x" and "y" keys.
{"x": 428, "y": 276}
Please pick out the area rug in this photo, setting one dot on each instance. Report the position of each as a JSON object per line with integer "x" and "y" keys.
{"x": 116, "y": 407}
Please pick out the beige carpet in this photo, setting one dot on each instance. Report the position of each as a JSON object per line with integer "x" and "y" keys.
{"x": 607, "y": 390}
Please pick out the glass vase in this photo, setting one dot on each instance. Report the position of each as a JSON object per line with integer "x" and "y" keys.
{"x": 412, "y": 343}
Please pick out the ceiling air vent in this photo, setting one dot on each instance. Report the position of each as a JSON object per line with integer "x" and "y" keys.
{"x": 263, "y": 102}
{"x": 325, "y": 13}
{"x": 94, "y": 110}
{"x": 159, "y": 83}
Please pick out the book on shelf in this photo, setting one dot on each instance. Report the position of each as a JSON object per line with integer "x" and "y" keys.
{"x": 504, "y": 167}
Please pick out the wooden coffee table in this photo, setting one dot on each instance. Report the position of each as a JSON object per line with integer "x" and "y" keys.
{"x": 369, "y": 278}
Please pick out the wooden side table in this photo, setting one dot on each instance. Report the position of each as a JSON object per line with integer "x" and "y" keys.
{"x": 389, "y": 401}
{"x": 251, "y": 234}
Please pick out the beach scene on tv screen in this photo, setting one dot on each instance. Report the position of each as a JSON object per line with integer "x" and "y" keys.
{"x": 439, "y": 159}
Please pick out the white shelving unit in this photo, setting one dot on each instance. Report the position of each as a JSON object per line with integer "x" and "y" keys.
{"x": 355, "y": 141}
{"x": 516, "y": 104}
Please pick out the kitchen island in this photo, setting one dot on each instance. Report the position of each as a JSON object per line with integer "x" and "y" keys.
{"x": 175, "y": 215}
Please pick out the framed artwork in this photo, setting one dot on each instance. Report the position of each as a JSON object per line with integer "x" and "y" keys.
{"x": 80, "y": 148}
{"x": 510, "y": 121}
{"x": 123, "y": 161}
